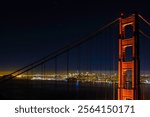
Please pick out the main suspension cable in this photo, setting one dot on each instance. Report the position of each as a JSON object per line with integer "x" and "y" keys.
{"x": 60, "y": 51}
{"x": 144, "y": 34}
{"x": 147, "y": 22}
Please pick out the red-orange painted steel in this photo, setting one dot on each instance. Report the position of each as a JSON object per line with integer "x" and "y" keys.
{"x": 125, "y": 93}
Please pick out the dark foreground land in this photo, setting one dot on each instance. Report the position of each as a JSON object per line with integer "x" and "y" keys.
{"x": 62, "y": 90}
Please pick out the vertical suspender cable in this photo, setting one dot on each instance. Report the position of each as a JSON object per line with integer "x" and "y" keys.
{"x": 56, "y": 68}
{"x": 79, "y": 57}
{"x": 68, "y": 64}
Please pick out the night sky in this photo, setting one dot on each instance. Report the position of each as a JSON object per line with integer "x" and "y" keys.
{"x": 30, "y": 30}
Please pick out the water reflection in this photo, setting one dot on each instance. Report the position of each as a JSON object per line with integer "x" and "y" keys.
{"x": 40, "y": 89}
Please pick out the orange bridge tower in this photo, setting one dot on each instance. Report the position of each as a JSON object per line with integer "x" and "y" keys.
{"x": 128, "y": 65}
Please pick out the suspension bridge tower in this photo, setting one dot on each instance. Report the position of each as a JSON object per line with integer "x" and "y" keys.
{"x": 128, "y": 69}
